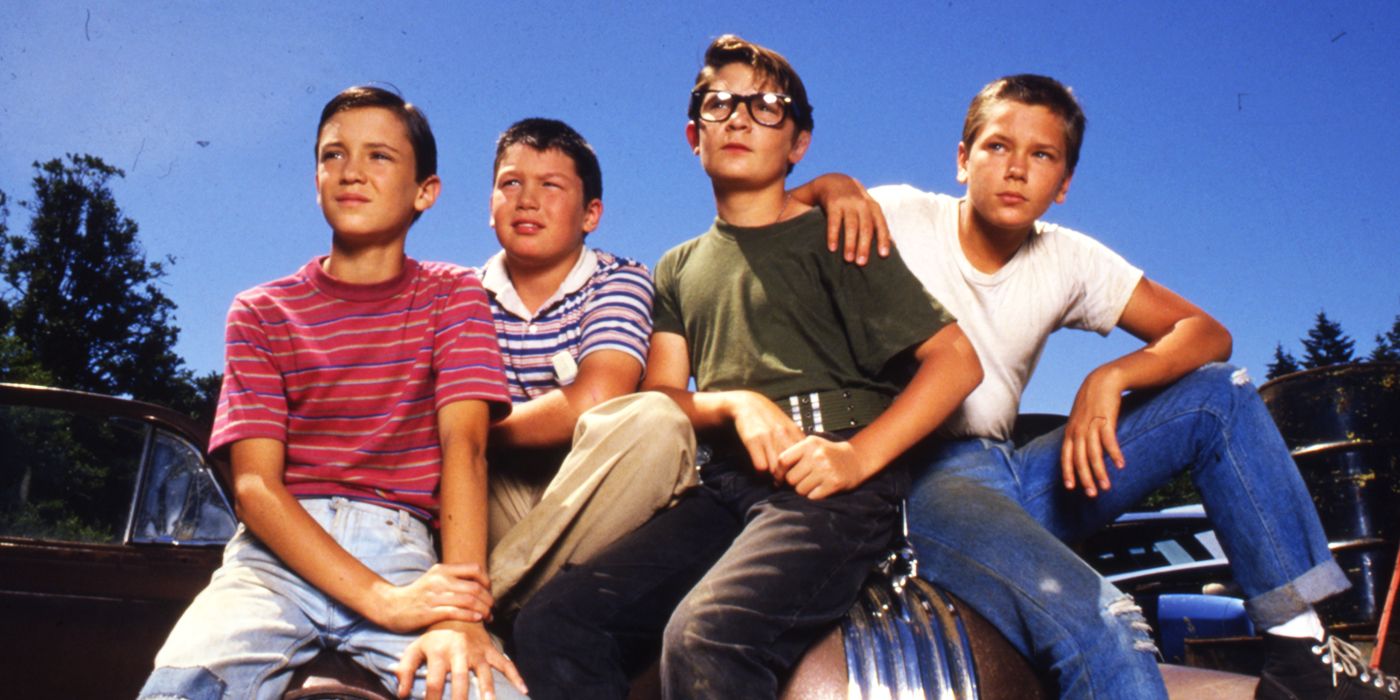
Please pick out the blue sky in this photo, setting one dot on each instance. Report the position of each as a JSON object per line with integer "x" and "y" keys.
{"x": 1243, "y": 153}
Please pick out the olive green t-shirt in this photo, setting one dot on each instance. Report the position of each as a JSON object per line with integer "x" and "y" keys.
{"x": 772, "y": 310}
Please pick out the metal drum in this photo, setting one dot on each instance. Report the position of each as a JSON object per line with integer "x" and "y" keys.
{"x": 907, "y": 640}
{"x": 1342, "y": 424}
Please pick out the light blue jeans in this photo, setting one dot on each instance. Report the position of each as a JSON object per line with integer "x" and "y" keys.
{"x": 246, "y": 633}
{"x": 989, "y": 522}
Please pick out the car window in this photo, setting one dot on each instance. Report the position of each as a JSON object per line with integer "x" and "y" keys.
{"x": 180, "y": 501}
{"x": 66, "y": 476}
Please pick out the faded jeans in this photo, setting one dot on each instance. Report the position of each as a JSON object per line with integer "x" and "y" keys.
{"x": 735, "y": 581}
{"x": 246, "y": 633}
{"x": 988, "y": 521}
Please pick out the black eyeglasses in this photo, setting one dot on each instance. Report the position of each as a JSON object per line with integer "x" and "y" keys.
{"x": 766, "y": 108}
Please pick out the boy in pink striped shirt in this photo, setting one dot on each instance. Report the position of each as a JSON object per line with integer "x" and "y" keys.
{"x": 357, "y": 397}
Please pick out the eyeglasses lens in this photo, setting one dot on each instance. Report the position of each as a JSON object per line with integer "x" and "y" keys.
{"x": 766, "y": 108}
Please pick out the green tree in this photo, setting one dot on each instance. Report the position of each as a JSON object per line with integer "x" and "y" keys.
{"x": 1326, "y": 344}
{"x": 81, "y": 305}
{"x": 1283, "y": 363}
{"x": 1387, "y": 344}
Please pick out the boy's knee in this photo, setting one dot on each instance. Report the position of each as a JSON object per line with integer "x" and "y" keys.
{"x": 688, "y": 637}
{"x": 189, "y": 683}
{"x": 1125, "y": 615}
{"x": 659, "y": 413}
{"x": 1220, "y": 378}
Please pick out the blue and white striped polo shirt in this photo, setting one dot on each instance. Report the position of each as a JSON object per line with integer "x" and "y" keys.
{"x": 603, "y": 304}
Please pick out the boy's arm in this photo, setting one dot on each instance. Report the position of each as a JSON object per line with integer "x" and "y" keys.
{"x": 445, "y": 592}
{"x": 848, "y": 207}
{"x": 1180, "y": 338}
{"x": 764, "y": 428}
{"x": 549, "y": 420}
{"x": 948, "y": 371}
{"x": 462, "y": 648}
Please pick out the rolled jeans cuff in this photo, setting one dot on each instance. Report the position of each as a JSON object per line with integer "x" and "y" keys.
{"x": 1296, "y": 597}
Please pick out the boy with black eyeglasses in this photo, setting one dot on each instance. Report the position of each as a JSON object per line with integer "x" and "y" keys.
{"x": 798, "y": 360}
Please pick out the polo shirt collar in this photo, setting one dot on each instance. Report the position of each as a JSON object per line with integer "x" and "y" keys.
{"x": 497, "y": 281}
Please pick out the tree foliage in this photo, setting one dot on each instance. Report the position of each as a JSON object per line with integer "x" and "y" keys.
{"x": 1387, "y": 344}
{"x": 81, "y": 305}
{"x": 1283, "y": 363}
{"x": 1326, "y": 344}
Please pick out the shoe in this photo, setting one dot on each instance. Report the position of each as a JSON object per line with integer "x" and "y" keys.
{"x": 1306, "y": 669}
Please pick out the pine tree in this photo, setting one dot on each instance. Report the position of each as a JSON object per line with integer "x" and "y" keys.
{"x": 1326, "y": 344}
{"x": 1388, "y": 344}
{"x": 1283, "y": 363}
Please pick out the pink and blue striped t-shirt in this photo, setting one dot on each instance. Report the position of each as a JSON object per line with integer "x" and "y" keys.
{"x": 350, "y": 377}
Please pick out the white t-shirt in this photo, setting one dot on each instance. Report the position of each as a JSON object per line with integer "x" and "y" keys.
{"x": 1058, "y": 278}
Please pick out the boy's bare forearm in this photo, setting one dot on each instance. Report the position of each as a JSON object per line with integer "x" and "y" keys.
{"x": 549, "y": 420}
{"x": 948, "y": 372}
{"x": 278, "y": 520}
{"x": 462, "y": 429}
{"x": 1180, "y": 338}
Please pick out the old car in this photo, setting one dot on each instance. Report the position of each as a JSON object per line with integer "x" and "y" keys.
{"x": 111, "y": 520}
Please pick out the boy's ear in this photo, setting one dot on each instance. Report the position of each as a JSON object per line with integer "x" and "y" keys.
{"x": 962, "y": 163}
{"x": 592, "y": 215}
{"x": 428, "y": 191}
{"x": 799, "y": 146}
{"x": 692, "y": 136}
{"x": 1064, "y": 189}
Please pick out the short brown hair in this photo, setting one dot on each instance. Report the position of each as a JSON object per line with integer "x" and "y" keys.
{"x": 420, "y": 134}
{"x": 552, "y": 134}
{"x": 1035, "y": 90}
{"x": 766, "y": 64}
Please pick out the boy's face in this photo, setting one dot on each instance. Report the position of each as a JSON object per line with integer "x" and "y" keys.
{"x": 365, "y": 179}
{"x": 740, "y": 151}
{"x": 537, "y": 207}
{"x": 1015, "y": 167}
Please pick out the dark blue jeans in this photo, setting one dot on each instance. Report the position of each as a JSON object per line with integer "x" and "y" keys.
{"x": 734, "y": 583}
{"x": 989, "y": 520}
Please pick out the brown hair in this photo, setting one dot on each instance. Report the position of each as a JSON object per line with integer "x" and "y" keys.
{"x": 420, "y": 134}
{"x": 1035, "y": 90}
{"x": 766, "y": 63}
{"x": 552, "y": 134}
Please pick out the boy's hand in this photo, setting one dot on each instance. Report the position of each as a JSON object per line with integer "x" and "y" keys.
{"x": 445, "y": 592}
{"x": 1091, "y": 431}
{"x": 848, "y": 206}
{"x": 463, "y": 649}
{"x": 817, "y": 467}
{"x": 764, "y": 429}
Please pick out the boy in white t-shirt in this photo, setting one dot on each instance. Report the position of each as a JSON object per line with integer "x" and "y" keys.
{"x": 989, "y": 519}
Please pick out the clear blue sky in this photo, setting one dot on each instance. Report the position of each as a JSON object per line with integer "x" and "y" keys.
{"x": 1243, "y": 153}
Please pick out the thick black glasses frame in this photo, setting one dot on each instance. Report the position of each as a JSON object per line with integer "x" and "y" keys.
{"x": 697, "y": 98}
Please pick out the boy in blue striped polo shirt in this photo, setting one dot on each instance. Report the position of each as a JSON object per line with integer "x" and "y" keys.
{"x": 573, "y": 324}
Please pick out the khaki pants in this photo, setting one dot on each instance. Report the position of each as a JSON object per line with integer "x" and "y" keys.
{"x": 632, "y": 457}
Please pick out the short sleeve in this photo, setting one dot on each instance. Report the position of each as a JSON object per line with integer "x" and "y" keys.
{"x": 666, "y": 313}
{"x": 1103, "y": 282}
{"x": 617, "y": 315}
{"x": 466, "y": 356}
{"x": 253, "y": 400}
